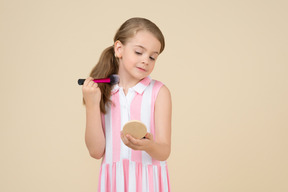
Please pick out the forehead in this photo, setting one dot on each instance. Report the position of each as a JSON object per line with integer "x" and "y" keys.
{"x": 145, "y": 39}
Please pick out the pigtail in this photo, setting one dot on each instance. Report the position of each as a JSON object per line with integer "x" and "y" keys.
{"x": 106, "y": 66}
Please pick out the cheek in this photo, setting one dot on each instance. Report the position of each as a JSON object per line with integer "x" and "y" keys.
{"x": 152, "y": 65}
{"x": 128, "y": 63}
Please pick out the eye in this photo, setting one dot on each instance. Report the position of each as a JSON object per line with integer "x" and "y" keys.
{"x": 138, "y": 53}
{"x": 152, "y": 58}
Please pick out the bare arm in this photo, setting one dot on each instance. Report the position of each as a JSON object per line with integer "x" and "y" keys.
{"x": 94, "y": 135}
{"x": 160, "y": 147}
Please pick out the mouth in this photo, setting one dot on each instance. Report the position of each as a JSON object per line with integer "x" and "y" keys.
{"x": 141, "y": 69}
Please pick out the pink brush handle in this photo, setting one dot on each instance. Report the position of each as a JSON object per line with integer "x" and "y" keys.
{"x": 106, "y": 80}
{"x": 113, "y": 79}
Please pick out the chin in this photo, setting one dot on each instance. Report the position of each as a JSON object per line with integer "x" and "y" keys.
{"x": 139, "y": 76}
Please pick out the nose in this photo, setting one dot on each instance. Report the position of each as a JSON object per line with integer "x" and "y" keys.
{"x": 145, "y": 60}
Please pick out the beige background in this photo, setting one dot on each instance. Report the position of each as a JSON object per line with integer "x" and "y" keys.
{"x": 226, "y": 64}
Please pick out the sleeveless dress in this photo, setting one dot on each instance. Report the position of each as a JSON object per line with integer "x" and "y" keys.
{"x": 124, "y": 169}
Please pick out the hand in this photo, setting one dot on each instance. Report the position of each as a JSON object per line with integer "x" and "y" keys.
{"x": 91, "y": 92}
{"x": 138, "y": 144}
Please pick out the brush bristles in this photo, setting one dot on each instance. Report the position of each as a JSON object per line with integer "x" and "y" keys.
{"x": 114, "y": 79}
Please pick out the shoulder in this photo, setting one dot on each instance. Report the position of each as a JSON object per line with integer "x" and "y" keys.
{"x": 157, "y": 85}
{"x": 161, "y": 86}
{"x": 163, "y": 105}
{"x": 163, "y": 92}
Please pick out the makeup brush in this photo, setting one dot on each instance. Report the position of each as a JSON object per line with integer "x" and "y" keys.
{"x": 113, "y": 79}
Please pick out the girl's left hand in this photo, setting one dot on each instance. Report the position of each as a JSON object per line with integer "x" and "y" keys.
{"x": 137, "y": 144}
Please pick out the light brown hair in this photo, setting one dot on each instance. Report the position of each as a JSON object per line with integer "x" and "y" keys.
{"x": 108, "y": 64}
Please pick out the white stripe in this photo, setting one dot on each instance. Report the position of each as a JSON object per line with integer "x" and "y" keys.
{"x": 155, "y": 179}
{"x": 164, "y": 178}
{"x": 146, "y": 117}
{"x": 108, "y": 130}
{"x": 130, "y": 96}
{"x": 145, "y": 178}
{"x": 132, "y": 177}
{"x": 119, "y": 177}
{"x": 103, "y": 179}
{"x": 111, "y": 181}
{"x": 125, "y": 111}
{"x": 146, "y": 105}
{"x": 163, "y": 163}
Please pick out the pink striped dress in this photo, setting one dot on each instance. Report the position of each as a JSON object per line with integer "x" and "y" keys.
{"x": 122, "y": 168}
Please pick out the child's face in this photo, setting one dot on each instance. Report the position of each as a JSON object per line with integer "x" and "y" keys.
{"x": 139, "y": 54}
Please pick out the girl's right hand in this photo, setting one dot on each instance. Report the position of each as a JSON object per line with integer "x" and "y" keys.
{"x": 91, "y": 92}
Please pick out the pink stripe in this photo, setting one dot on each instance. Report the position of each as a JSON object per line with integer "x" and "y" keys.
{"x": 104, "y": 159}
{"x": 116, "y": 126}
{"x": 103, "y": 127}
{"x": 155, "y": 91}
{"x": 161, "y": 188}
{"x": 114, "y": 177}
{"x": 168, "y": 180}
{"x": 103, "y": 121}
{"x": 99, "y": 179}
{"x": 135, "y": 114}
{"x": 138, "y": 177}
{"x": 146, "y": 81}
{"x": 126, "y": 174}
{"x": 150, "y": 178}
{"x": 107, "y": 176}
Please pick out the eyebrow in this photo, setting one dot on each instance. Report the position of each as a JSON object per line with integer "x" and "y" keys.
{"x": 146, "y": 49}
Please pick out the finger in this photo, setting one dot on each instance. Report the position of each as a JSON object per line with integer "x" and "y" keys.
{"x": 121, "y": 135}
{"x": 124, "y": 139}
{"x": 91, "y": 83}
{"x": 132, "y": 140}
{"x": 87, "y": 81}
{"x": 149, "y": 136}
{"x": 95, "y": 85}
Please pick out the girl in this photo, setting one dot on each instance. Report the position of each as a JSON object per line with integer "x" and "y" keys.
{"x": 129, "y": 164}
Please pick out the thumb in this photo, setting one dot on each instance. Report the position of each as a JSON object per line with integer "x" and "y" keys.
{"x": 149, "y": 136}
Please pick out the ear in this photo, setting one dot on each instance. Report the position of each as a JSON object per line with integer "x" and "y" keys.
{"x": 118, "y": 48}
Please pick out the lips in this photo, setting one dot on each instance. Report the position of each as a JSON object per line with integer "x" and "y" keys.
{"x": 141, "y": 69}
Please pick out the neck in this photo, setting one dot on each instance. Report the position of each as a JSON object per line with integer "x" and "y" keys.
{"x": 126, "y": 81}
